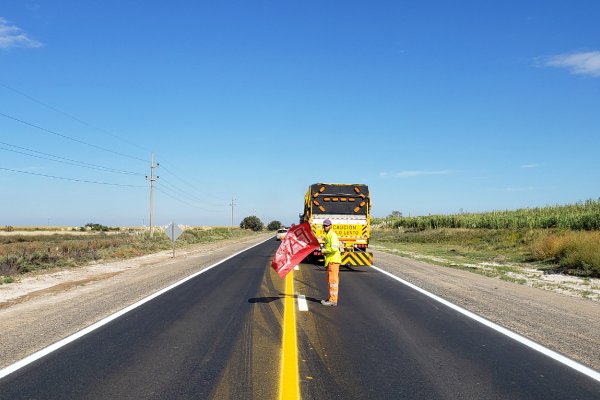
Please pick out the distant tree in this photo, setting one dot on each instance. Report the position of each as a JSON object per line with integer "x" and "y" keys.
{"x": 274, "y": 225}
{"x": 253, "y": 223}
{"x": 396, "y": 214}
{"x": 90, "y": 226}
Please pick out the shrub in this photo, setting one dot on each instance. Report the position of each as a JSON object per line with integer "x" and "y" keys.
{"x": 252, "y": 222}
{"x": 274, "y": 225}
{"x": 571, "y": 252}
{"x": 90, "y": 226}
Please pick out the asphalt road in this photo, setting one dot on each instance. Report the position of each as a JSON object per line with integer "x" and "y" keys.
{"x": 219, "y": 335}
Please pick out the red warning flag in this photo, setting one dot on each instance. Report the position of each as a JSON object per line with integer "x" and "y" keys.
{"x": 299, "y": 241}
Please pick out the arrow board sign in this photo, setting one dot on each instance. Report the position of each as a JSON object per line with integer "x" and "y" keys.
{"x": 173, "y": 231}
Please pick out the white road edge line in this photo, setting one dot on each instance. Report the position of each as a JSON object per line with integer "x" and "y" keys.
{"x": 302, "y": 304}
{"x": 515, "y": 336}
{"x": 53, "y": 347}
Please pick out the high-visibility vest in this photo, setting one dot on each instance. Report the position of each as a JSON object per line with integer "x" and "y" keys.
{"x": 331, "y": 249}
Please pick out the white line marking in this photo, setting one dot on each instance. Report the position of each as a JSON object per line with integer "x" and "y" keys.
{"x": 302, "y": 304}
{"x": 515, "y": 336}
{"x": 53, "y": 347}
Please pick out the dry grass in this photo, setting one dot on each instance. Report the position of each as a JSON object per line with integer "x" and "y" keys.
{"x": 20, "y": 254}
{"x": 571, "y": 252}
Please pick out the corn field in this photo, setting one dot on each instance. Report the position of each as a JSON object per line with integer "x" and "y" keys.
{"x": 578, "y": 217}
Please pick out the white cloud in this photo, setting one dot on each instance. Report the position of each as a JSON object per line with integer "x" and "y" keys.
{"x": 514, "y": 189}
{"x": 531, "y": 165}
{"x": 585, "y": 63}
{"x": 13, "y": 36}
{"x": 407, "y": 174}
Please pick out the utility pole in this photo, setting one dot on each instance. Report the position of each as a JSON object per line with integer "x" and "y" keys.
{"x": 232, "y": 204}
{"x": 152, "y": 179}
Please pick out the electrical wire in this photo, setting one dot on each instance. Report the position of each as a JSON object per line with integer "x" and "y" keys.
{"x": 189, "y": 184}
{"x": 67, "y": 161}
{"x": 71, "y": 179}
{"x": 71, "y": 116}
{"x": 180, "y": 200}
{"x": 186, "y": 194}
{"x": 70, "y": 138}
{"x": 174, "y": 188}
{"x": 88, "y": 165}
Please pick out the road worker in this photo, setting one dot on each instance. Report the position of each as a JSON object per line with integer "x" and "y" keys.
{"x": 333, "y": 258}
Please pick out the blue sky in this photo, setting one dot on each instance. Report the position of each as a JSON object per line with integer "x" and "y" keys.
{"x": 438, "y": 106}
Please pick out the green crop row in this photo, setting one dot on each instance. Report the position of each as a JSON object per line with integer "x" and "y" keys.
{"x": 580, "y": 216}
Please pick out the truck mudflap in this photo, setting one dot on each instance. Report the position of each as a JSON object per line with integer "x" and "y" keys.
{"x": 357, "y": 258}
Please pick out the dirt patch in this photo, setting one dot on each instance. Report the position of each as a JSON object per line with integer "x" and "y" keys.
{"x": 56, "y": 288}
{"x": 49, "y": 281}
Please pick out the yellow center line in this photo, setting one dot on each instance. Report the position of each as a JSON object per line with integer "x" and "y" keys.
{"x": 289, "y": 385}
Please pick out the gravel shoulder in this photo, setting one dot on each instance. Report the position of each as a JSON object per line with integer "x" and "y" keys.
{"x": 42, "y": 309}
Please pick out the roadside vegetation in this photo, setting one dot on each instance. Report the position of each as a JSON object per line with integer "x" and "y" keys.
{"x": 274, "y": 225}
{"x": 21, "y": 254}
{"x": 563, "y": 239}
{"x": 252, "y": 223}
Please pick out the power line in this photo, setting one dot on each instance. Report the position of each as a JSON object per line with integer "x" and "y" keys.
{"x": 174, "y": 195}
{"x": 69, "y": 179}
{"x": 190, "y": 185}
{"x": 83, "y": 164}
{"x": 178, "y": 190}
{"x": 180, "y": 200}
{"x": 70, "y": 116}
{"x": 33, "y": 99}
{"x": 186, "y": 194}
{"x": 67, "y": 161}
{"x": 70, "y": 138}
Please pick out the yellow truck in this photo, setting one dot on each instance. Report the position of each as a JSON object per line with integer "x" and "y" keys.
{"x": 348, "y": 206}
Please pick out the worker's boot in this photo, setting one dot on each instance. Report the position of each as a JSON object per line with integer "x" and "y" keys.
{"x": 328, "y": 303}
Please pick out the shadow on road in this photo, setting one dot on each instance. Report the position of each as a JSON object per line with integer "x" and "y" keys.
{"x": 265, "y": 299}
{"x": 269, "y": 299}
{"x": 313, "y": 299}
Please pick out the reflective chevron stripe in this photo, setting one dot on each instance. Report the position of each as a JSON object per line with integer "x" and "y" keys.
{"x": 357, "y": 258}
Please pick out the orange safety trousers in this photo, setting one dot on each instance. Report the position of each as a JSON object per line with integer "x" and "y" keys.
{"x": 333, "y": 277}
